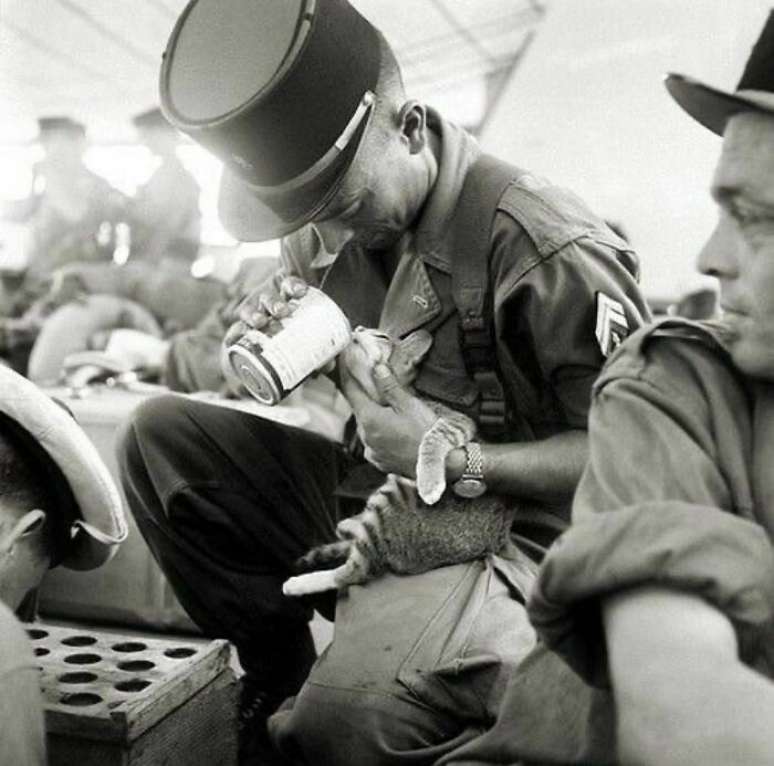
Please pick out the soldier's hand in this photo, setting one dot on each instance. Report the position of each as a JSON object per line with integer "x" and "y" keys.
{"x": 263, "y": 308}
{"x": 390, "y": 432}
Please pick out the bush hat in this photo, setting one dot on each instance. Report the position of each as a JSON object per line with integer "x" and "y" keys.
{"x": 282, "y": 92}
{"x": 713, "y": 107}
{"x": 89, "y": 519}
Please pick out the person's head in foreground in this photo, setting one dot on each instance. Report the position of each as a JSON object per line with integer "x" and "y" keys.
{"x": 740, "y": 252}
{"x": 337, "y": 144}
{"x": 58, "y": 503}
{"x": 155, "y": 131}
{"x": 674, "y": 516}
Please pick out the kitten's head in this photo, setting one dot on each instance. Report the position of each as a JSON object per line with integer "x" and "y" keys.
{"x": 369, "y": 347}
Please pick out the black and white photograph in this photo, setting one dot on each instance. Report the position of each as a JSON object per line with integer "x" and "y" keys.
{"x": 386, "y": 382}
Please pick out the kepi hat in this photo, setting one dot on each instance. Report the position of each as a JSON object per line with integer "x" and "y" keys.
{"x": 89, "y": 519}
{"x": 282, "y": 91}
{"x": 713, "y": 107}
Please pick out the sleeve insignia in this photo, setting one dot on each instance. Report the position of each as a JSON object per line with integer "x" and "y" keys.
{"x": 612, "y": 326}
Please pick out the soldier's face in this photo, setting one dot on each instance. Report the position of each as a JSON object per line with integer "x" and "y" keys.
{"x": 381, "y": 193}
{"x": 740, "y": 252}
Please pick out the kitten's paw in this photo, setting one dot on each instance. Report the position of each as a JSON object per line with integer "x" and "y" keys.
{"x": 430, "y": 490}
{"x": 314, "y": 582}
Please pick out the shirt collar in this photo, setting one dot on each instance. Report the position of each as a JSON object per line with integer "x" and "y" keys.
{"x": 458, "y": 151}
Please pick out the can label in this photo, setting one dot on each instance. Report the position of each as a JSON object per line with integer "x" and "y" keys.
{"x": 310, "y": 337}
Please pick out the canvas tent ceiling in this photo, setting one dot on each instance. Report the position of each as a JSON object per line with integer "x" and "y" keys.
{"x": 98, "y": 60}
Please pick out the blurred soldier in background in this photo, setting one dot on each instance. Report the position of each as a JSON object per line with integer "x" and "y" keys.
{"x": 69, "y": 211}
{"x": 154, "y": 291}
{"x": 164, "y": 214}
{"x": 69, "y": 216}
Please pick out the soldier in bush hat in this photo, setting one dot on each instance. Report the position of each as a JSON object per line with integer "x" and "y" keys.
{"x": 662, "y": 590}
{"x": 398, "y": 216}
{"x": 58, "y": 505}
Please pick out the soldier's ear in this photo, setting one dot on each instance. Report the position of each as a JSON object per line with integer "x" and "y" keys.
{"x": 410, "y": 351}
{"x": 31, "y": 523}
{"x": 412, "y": 120}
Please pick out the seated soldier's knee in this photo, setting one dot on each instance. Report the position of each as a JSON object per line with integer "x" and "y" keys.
{"x": 351, "y": 727}
{"x": 154, "y": 423}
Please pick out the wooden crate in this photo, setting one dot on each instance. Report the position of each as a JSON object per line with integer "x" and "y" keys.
{"x": 113, "y": 700}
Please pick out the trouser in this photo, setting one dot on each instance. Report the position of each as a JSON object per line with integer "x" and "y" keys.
{"x": 228, "y": 501}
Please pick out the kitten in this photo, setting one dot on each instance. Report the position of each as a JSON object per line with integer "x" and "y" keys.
{"x": 398, "y": 531}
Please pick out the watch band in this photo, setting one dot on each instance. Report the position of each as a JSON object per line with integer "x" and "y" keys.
{"x": 474, "y": 464}
{"x": 471, "y": 483}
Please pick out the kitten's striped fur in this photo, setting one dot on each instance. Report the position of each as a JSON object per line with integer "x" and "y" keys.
{"x": 407, "y": 527}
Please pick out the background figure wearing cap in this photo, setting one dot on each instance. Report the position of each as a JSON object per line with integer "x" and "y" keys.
{"x": 41, "y": 450}
{"x": 376, "y": 194}
{"x": 671, "y": 543}
{"x": 69, "y": 216}
{"x": 164, "y": 214}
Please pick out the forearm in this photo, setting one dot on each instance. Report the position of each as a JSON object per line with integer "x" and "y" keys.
{"x": 682, "y": 696}
{"x": 546, "y": 470}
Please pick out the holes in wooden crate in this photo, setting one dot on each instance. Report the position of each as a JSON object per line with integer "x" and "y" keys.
{"x": 80, "y": 699}
{"x": 130, "y": 646}
{"x": 36, "y": 633}
{"x": 82, "y": 659}
{"x": 79, "y": 641}
{"x": 179, "y": 652}
{"x": 135, "y": 666}
{"x": 133, "y": 685}
{"x": 78, "y": 678}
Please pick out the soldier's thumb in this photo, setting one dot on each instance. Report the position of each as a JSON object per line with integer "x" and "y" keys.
{"x": 390, "y": 390}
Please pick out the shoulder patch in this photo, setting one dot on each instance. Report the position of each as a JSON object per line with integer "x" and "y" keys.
{"x": 612, "y": 326}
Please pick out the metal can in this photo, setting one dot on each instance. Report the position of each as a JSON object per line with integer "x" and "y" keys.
{"x": 270, "y": 367}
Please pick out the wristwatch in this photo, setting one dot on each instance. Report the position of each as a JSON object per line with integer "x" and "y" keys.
{"x": 471, "y": 483}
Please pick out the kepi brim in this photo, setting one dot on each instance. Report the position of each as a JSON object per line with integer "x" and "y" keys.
{"x": 713, "y": 107}
{"x": 246, "y": 214}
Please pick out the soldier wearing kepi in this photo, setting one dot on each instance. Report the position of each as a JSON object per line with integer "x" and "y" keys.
{"x": 661, "y": 594}
{"x": 400, "y": 218}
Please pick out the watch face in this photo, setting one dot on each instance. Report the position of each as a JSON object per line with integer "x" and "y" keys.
{"x": 469, "y": 488}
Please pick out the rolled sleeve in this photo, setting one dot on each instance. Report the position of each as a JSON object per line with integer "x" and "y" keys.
{"x": 722, "y": 558}
{"x": 657, "y": 505}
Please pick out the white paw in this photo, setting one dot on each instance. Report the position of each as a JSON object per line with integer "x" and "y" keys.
{"x": 430, "y": 491}
{"x": 314, "y": 582}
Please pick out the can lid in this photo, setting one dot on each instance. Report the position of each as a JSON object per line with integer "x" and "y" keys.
{"x": 255, "y": 377}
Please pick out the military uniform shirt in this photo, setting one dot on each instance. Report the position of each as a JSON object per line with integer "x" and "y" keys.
{"x": 678, "y": 493}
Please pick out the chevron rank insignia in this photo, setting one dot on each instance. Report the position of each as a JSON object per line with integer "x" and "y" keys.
{"x": 612, "y": 326}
